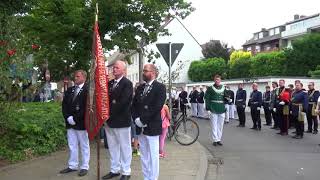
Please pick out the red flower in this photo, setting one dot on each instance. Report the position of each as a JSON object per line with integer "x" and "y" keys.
{"x": 11, "y": 52}
{"x": 35, "y": 46}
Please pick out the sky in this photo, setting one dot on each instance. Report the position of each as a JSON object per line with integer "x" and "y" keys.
{"x": 235, "y": 21}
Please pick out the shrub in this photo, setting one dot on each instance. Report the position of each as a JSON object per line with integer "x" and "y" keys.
{"x": 204, "y": 70}
{"x": 268, "y": 64}
{"x": 240, "y": 68}
{"x": 31, "y": 129}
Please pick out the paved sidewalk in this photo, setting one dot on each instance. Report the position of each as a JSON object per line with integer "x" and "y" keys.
{"x": 181, "y": 163}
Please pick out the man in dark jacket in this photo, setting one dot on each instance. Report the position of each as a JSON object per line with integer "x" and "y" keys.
{"x": 200, "y": 101}
{"x": 118, "y": 129}
{"x": 255, "y": 103}
{"x": 312, "y": 118}
{"x": 266, "y": 106}
{"x": 73, "y": 109}
{"x": 147, "y": 103}
{"x": 241, "y": 98}
{"x": 193, "y": 101}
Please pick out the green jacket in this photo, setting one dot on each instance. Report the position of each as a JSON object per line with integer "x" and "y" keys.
{"x": 214, "y": 98}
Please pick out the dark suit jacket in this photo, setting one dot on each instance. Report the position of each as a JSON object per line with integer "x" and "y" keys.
{"x": 75, "y": 108}
{"x": 193, "y": 96}
{"x": 148, "y": 108}
{"x": 120, "y": 103}
{"x": 200, "y": 97}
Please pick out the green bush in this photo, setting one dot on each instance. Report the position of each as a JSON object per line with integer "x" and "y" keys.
{"x": 204, "y": 70}
{"x": 30, "y": 129}
{"x": 268, "y": 64}
{"x": 240, "y": 68}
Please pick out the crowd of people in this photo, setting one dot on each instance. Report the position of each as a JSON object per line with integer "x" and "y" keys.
{"x": 140, "y": 118}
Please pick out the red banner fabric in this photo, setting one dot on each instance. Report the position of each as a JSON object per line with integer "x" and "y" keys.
{"x": 101, "y": 97}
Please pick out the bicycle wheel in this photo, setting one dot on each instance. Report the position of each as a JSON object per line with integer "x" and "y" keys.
{"x": 186, "y": 132}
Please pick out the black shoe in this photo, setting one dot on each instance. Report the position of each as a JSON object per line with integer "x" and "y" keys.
{"x": 253, "y": 128}
{"x": 83, "y": 172}
{"x": 273, "y": 127}
{"x": 214, "y": 143}
{"x": 315, "y": 132}
{"x": 67, "y": 170}
{"x": 111, "y": 175}
{"x": 239, "y": 125}
{"x": 297, "y": 137}
{"x": 309, "y": 131}
{"x": 124, "y": 177}
{"x": 294, "y": 132}
{"x": 219, "y": 143}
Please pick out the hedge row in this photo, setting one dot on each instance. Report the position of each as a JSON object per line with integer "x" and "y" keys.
{"x": 30, "y": 129}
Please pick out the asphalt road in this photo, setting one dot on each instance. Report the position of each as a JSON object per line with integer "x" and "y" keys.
{"x": 262, "y": 155}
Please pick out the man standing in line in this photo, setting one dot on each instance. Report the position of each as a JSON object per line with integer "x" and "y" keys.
{"x": 266, "y": 106}
{"x": 273, "y": 105}
{"x": 255, "y": 103}
{"x": 183, "y": 101}
{"x": 241, "y": 98}
{"x": 118, "y": 128}
{"x": 193, "y": 100}
{"x": 299, "y": 104}
{"x": 73, "y": 110}
{"x": 147, "y": 104}
{"x": 228, "y": 103}
{"x": 215, "y": 98}
{"x": 200, "y": 101}
{"x": 279, "y": 104}
{"x": 313, "y": 96}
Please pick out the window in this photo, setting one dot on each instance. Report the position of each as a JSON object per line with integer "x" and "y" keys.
{"x": 257, "y": 48}
{"x": 271, "y": 32}
{"x": 248, "y": 48}
{"x": 255, "y": 37}
{"x": 260, "y": 35}
{"x": 277, "y": 30}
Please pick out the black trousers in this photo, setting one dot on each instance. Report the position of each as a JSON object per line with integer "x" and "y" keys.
{"x": 255, "y": 115}
{"x": 312, "y": 121}
{"x": 275, "y": 119}
{"x": 280, "y": 117}
{"x": 241, "y": 115}
{"x": 284, "y": 124}
{"x": 299, "y": 126}
{"x": 267, "y": 114}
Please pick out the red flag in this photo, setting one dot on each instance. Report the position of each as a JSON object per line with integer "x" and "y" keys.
{"x": 98, "y": 98}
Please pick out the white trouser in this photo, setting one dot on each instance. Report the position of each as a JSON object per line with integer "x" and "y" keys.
{"x": 194, "y": 109}
{"x": 201, "y": 110}
{"x": 76, "y": 138}
{"x": 149, "y": 149}
{"x": 119, "y": 143}
{"x": 217, "y": 121}
{"x": 227, "y": 106}
{"x": 231, "y": 111}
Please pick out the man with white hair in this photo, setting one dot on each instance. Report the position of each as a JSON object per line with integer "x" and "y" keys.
{"x": 118, "y": 128}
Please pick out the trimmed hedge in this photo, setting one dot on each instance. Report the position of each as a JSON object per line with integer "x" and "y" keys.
{"x": 204, "y": 70}
{"x": 30, "y": 129}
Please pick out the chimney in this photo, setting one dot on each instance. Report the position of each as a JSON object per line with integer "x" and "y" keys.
{"x": 302, "y": 16}
{"x": 296, "y": 17}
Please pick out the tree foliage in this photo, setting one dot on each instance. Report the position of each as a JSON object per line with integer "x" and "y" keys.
{"x": 240, "y": 68}
{"x": 205, "y": 69}
{"x": 304, "y": 55}
{"x": 64, "y": 28}
{"x": 216, "y": 49}
{"x": 235, "y": 55}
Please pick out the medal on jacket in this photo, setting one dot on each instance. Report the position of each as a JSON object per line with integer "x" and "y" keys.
{"x": 77, "y": 107}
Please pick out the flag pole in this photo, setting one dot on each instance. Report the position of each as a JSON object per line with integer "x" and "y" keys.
{"x": 98, "y": 137}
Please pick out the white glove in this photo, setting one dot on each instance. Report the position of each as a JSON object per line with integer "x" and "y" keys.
{"x": 230, "y": 100}
{"x": 282, "y": 103}
{"x": 274, "y": 110}
{"x": 244, "y": 106}
{"x": 209, "y": 113}
{"x": 70, "y": 120}
{"x": 258, "y": 108}
{"x": 139, "y": 123}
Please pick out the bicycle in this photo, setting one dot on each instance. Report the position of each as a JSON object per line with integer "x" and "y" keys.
{"x": 184, "y": 129}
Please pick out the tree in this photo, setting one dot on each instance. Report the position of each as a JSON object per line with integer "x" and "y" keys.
{"x": 304, "y": 56}
{"x": 64, "y": 28}
{"x": 216, "y": 49}
{"x": 239, "y": 54}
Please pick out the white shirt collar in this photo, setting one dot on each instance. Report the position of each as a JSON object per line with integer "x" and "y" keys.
{"x": 118, "y": 80}
{"x": 80, "y": 86}
{"x": 150, "y": 83}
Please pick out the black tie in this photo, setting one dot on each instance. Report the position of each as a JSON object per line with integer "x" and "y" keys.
{"x": 146, "y": 88}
